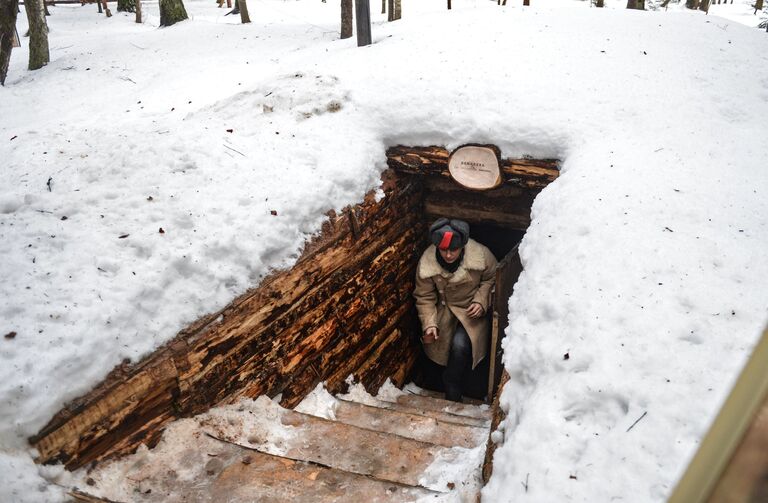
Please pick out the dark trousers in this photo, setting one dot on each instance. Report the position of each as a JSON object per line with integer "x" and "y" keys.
{"x": 459, "y": 364}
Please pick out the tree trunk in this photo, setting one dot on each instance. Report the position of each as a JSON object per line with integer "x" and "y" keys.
{"x": 758, "y": 6}
{"x": 346, "y": 18}
{"x": 38, "y": 34}
{"x": 704, "y": 6}
{"x": 636, "y": 4}
{"x": 391, "y": 10}
{"x": 45, "y": 9}
{"x": 691, "y": 4}
{"x": 398, "y": 9}
{"x": 107, "y": 12}
{"x": 8, "y": 11}
{"x": 138, "y": 11}
{"x": 526, "y": 2}
{"x": 449, "y": 4}
{"x": 600, "y": 3}
{"x": 244, "y": 17}
{"x": 383, "y": 6}
{"x": 126, "y": 5}
{"x": 171, "y": 12}
{"x": 363, "y": 19}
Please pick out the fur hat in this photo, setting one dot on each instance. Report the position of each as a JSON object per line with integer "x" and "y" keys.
{"x": 449, "y": 234}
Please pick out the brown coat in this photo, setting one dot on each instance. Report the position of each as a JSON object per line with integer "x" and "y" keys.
{"x": 442, "y": 299}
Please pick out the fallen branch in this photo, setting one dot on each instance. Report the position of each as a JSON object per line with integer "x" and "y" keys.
{"x": 637, "y": 421}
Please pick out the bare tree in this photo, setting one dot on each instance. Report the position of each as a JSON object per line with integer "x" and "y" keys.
{"x": 171, "y": 12}
{"x": 38, "y": 34}
{"x": 244, "y": 17}
{"x": 8, "y": 11}
{"x": 346, "y": 18}
{"x": 395, "y": 9}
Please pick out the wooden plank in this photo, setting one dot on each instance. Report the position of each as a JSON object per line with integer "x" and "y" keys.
{"x": 409, "y": 425}
{"x": 498, "y": 415}
{"x": 746, "y": 476}
{"x": 441, "y": 405}
{"x": 732, "y": 455}
{"x": 433, "y": 160}
{"x": 308, "y": 438}
{"x": 442, "y": 416}
{"x": 438, "y": 394}
{"x": 217, "y": 471}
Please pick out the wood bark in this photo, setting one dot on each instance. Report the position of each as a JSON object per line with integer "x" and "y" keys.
{"x": 8, "y": 12}
{"x": 244, "y": 17}
{"x": 363, "y": 18}
{"x": 383, "y": 6}
{"x": 449, "y": 4}
{"x": 344, "y": 308}
{"x": 107, "y": 12}
{"x": 346, "y": 18}
{"x": 636, "y": 4}
{"x": 526, "y": 2}
{"x": 171, "y": 12}
{"x": 758, "y": 6}
{"x": 39, "y": 55}
{"x": 138, "y": 11}
{"x": 526, "y": 173}
{"x": 600, "y": 3}
{"x": 704, "y": 6}
{"x": 394, "y": 10}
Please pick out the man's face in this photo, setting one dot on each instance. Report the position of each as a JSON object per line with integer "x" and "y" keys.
{"x": 450, "y": 256}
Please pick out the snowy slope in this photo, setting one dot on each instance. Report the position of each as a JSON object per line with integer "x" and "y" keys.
{"x": 645, "y": 261}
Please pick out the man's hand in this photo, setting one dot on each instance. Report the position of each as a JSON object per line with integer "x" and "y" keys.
{"x": 475, "y": 310}
{"x": 430, "y": 335}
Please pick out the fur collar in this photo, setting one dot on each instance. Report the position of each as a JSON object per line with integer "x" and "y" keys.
{"x": 474, "y": 260}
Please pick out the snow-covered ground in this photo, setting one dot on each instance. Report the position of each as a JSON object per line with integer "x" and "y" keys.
{"x": 645, "y": 262}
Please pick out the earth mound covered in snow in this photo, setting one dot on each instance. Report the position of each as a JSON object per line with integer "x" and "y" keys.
{"x": 645, "y": 262}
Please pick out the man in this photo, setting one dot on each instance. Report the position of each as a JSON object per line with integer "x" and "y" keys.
{"x": 453, "y": 283}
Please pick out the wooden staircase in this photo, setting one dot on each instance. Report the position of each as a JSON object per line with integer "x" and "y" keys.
{"x": 410, "y": 447}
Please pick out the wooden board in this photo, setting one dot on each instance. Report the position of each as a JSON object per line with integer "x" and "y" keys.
{"x": 442, "y": 416}
{"x": 217, "y": 471}
{"x": 339, "y": 310}
{"x": 507, "y": 273}
{"x": 409, "y": 425}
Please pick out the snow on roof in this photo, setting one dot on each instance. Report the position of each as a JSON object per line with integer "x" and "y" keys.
{"x": 645, "y": 261}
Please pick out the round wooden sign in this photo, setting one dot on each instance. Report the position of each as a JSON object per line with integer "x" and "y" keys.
{"x": 475, "y": 168}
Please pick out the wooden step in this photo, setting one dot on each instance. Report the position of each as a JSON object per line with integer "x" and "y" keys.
{"x": 410, "y": 425}
{"x": 216, "y": 471}
{"x": 442, "y": 405}
{"x": 415, "y": 390}
{"x": 298, "y": 436}
{"x": 441, "y": 416}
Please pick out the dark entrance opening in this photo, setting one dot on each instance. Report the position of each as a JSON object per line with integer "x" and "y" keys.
{"x": 498, "y": 218}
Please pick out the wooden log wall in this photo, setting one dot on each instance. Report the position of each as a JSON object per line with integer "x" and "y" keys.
{"x": 344, "y": 308}
{"x": 507, "y": 206}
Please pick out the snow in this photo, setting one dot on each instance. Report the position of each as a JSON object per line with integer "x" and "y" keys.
{"x": 645, "y": 261}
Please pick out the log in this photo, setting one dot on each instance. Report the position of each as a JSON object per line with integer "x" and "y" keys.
{"x": 498, "y": 415}
{"x": 527, "y": 173}
{"x": 333, "y": 312}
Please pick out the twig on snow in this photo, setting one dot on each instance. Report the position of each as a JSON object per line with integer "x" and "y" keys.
{"x": 525, "y": 484}
{"x": 637, "y": 421}
{"x": 230, "y": 148}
